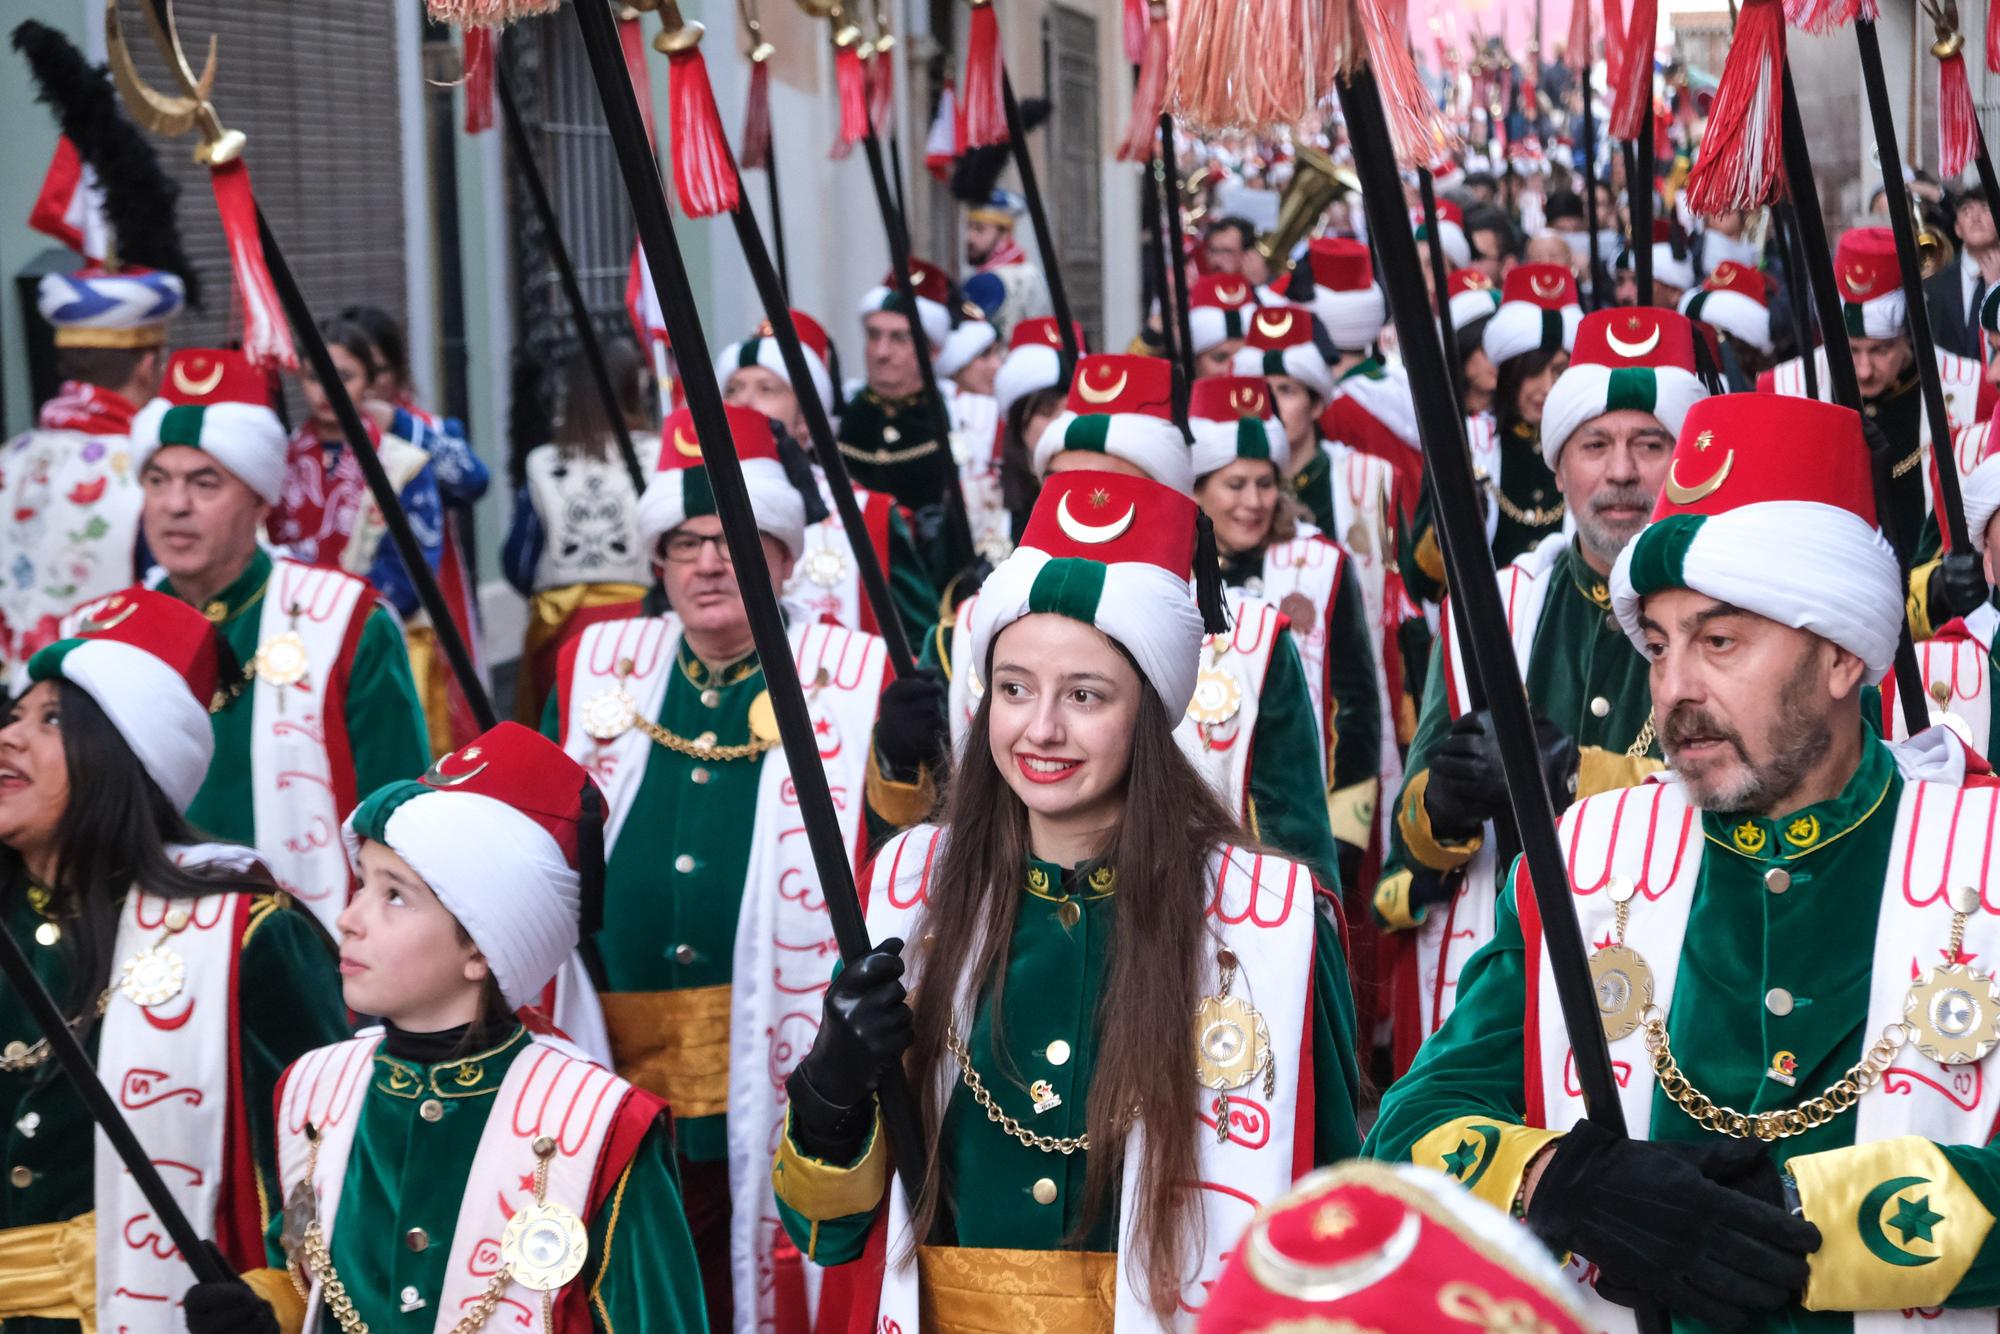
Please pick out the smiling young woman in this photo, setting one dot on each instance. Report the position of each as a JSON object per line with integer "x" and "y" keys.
{"x": 1101, "y": 930}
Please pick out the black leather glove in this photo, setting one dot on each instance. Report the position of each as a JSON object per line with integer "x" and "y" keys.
{"x": 227, "y": 1308}
{"x": 1429, "y": 888}
{"x": 1957, "y": 588}
{"x": 865, "y": 1024}
{"x": 1661, "y": 1231}
{"x": 911, "y": 728}
{"x": 1468, "y": 786}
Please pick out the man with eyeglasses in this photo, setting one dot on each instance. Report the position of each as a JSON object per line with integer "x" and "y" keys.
{"x": 707, "y": 872}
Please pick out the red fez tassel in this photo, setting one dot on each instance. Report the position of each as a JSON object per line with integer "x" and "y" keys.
{"x": 1614, "y": 46}
{"x": 1632, "y": 93}
{"x": 851, "y": 85}
{"x": 757, "y": 117}
{"x": 639, "y": 69}
{"x": 1414, "y": 127}
{"x": 1149, "y": 89}
{"x": 1993, "y": 36}
{"x": 478, "y": 80}
{"x": 1823, "y": 16}
{"x": 1958, "y": 125}
{"x": 882, "y": 84}
{"x": 985, "y": 108}
{"x": 267, "y": 338}
{"x": 704, "y": 171}
{"x": 1741, "y": 153}
{"x": 1258, "y": 66}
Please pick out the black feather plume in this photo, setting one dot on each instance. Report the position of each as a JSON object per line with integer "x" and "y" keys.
{"x": 978, "y": 169}
{"x": 139, "y": 196}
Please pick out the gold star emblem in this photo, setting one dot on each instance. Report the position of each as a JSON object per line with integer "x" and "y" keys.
{"x": 1332, "y": 1222}
{"x": 216, "y": 611}
{"x": 1099, "y": 498}
{"x": 1704, "y": 440}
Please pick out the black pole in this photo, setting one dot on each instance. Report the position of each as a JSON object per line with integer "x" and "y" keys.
{"x": 1440, "y": 280}
{"x": 1598, "y": 300}
{"x": 1989, "y": 184}
{"x": 1151, "y": 178}
{"x": 1796, "y": 291}
{"x": 1642, "y": 191}
{"x": 1950, "y": 505}
{"x": 830, "y": 853}
{"x": 1045, "y": 241}
{"x": 1176, "y": 237}
{"x": 777, "y": 224}
{"x": 538, "y": 195}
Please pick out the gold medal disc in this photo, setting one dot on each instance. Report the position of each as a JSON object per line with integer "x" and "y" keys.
{"x": 1624, "y": 985}
{"x": 301, "y": 1212}
{"x": 825, "y": 566}
{"x": 763, "y": 718}
{"x": 281, "y": 660}
{"x": 1230, "y": 1041}
{"x": 1955, "y": 1012}
{"x": 610, "y": 713}
{"x": 544, "y": 1246}
{"x": 1217, "y": 697}
{"x": 153, "y": 976}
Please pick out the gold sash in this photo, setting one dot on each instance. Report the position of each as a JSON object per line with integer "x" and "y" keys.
{"x": 969, "y": 1290}
{"x": 48, "y": 1271}
{"x": 674, "y": 1044}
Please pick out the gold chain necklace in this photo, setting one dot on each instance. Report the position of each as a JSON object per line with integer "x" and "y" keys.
{"x": 885, "y": 457}
{"x": 1046, "y": 1143}
{"x": 1535, "y": 516}
{"x": 1785, "y": 1122}
{"x": 1907, "y": 462}
{"x": 19, "y": 1057}
{"x": 702, "y": 747}
{"x": 1644, "y": 741}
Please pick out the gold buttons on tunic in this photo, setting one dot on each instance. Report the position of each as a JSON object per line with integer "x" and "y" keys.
{"x": 431, "y": 1109}
{"x": 684, "y": 954}
{"x": 1058, "y": 1052}
{"x": 684, "y": 863}
{"x": 417, "y": 1239}
{"x": 23, "y": 1177}
{"x": 1778, "y": 1001}
{"x": 711, "y": 698}
{"x": 1777, "y": 880}
{"x": 1069, "y": 913}
{"x": 48, "y": 933}
{"x": 700, "y": 775}
{"x": 1044, "y": 1192}
{"x": 1600, "y": 707}
{"x": 178, "y": 918}
{"x": 14, "y": 1051}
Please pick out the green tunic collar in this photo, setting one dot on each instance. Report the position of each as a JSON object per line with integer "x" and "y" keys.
{"x": 700, "y": 675}
{"x": 1368, "y": 368}
{"x": 467, "y": 1077}
{"x": 1316, "y": 467}
{"x": 1084, "y": 881}
{"x": 1588, "y": 581}
{"x": 244, "y": 592}
{"x": 1806, "y": 831}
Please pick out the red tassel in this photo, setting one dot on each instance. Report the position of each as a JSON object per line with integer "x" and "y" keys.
{"x": 1614, "y": 42}
{"x": 1136, "y": 19}
{"x": 704, "y": 171}
{"x": 267, "y": 338}
{"x": 478, "y": 80}
{"x": 1993, "y": 36}
{"x": 984, "y": 107}
{"x": 882, "y": 82}
{"x": 757, "y": 117}
{"x": 941, "y": 145}
{"x": 637, "y": 67}
{"x": 851, "y": 86}
{"x": 1149, "y": 90}
{"x": 1958, "y": 123}
{"x": 1633, "y": 93}
{"x": 1414, "y": 127}
{"x": 1741, "y": 153}
{"x": 1823, "y": 16}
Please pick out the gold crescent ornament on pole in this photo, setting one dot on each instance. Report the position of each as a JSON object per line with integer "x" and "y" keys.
{"x": 172, "y": 116}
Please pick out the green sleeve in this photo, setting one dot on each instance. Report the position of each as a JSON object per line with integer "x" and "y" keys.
{"x": 1473, "y": 1064}
{"x": 646, "y": 1277}
{"x": 1336, "y": 1070}
{"x": 552, "y": 717}
{"x": 1978, "y": 1166}
{"x": 289, "y": 997}
{"x": 910, "y": 586}
{"x": 385, "y": 723}
{"x": 830, "y": 1241}
{"x": 1287, "y": 796}
{"x": 1351, "y": 685}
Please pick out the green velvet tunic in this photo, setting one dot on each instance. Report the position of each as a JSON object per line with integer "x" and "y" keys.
{"x": 289, "y": 998}
{"x": 911, "y": 587}
{"x": 1052, "y": 991}
{"x": 407, "y": 1173}
{"x": 1816, "y": 940}
{"x": 385, "y": 722}
{"x": 1312, "y": 486}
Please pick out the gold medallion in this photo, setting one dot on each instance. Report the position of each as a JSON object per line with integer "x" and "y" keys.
{"x": 544, "y": 1246}
{"x": 153, "y": 976}
{"x": 1954, "y": 1011}
{"x": 301, "y": 1212}
{"x": 281, "y": 660}
{"x": 826, "y": 566}
{"x": 1231, "y": 1042}
{"x": 763, "y": 718}
{"x": 1358, "y": 542}
{"x": 1217, "y": 697}
{"x": 610, "y": 713}
{"x": 1624, "y": 985}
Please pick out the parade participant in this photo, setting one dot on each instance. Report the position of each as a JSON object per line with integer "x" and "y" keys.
{"x": 826, "y": 583}
{"x": 1871, "y": 294}
{"x": 313, "y": 643}
{"x": 1955, "y": 664}
{"x": 573, "y": 548}
{"x": 191, "y": 978}
{"x": 1735, "y": 301}
{"x": 326, "y": 516}
{"x": 1724, "y": 238}
{"x": 451, "y": 1161}
{"x": 1220, "y": 307}
{"x": 1673, "y": 266}
{"x": 1002, "y": 283}
{"x": 1953, "y": 295}
{"x": 1230, "y": 246}
{"x": 1764, "y": 598}
{"x": 1084, "y": 881}
{"x": 1370, "y": 1246}
{"x": 1608, "y": 438}
{"x": 1029, "y": 391}
{"x": 966, "y": 366}
{"x": 672, "y": 717}
{"x": 1369, "y": 410}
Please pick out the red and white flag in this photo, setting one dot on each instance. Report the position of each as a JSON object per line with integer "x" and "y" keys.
{"x": 70, "y": 207}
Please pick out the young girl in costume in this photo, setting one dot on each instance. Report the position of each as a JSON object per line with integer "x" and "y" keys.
{"x": 1129, "y": 996}
{"x": 453, "y": 1162}
{"x": 184, "y": 970}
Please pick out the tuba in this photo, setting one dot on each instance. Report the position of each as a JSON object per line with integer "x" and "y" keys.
{"x": 1316, "y": 182}
{"x": 1934, "y": 248}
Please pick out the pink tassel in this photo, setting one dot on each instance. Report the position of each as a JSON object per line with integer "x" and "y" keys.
{"x": 478, "y": 80}
{"x": 704, "y": 171}
{"x": 1823, "y": 16}
{"x": 267, "y": 338}
{"x": 882, "y": 83}
{"x": 1740, "y": 155}
{"x": 1958, "y": 123}
{"x": 757, "y": 117}
{"x": 1149, "y": 90}
{"x": 851, "y": 85}
{"x": 1135, "y": 31}
{"x": 985, "y": 109}
{"x": 1632, "y": 97}
{"x": 1414, "y": 127}
{"x": 1993, "y": 36}
{"x": 633, "y": 41}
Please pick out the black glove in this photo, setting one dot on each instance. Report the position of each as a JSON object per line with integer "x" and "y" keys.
{"x": 1957, "y": 587}
{"x": 864, "y": 1025}
{"x": 229, "y": 1307}
{"x": 911, "y": 728}
{"x": 1429, "y": 888}
{"x": 1661, "y": 1231}
{"x": 1467, "y": 785}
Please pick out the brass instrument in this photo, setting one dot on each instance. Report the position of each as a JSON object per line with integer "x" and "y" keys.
{"x": 1935, "y": 251}
{"x": 1316, "y": 182}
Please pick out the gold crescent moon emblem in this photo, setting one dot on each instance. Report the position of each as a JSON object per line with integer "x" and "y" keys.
{"x": 1550, "y": 292}
{"x": 1051, "y": 335}
{"x": 437, "y": 777}
{"x": 1475, "y": 281}
{"x": 108, "y": 617}
{"x": 1859, "y": 280}
{"x": 1232, "y": 296}
{"x": 1276, "y": 323}
{"x": 1629, "y": 349}
{"x": 196, "y": 388}
{"x": 686, "y": 445}
{"x": 1688, "y": 495}
{"x": 1247, "y": 400}
{"x": 171, "y": 116}
{"x": 1093, "y": 534}
{"x": 1090, "y": 393}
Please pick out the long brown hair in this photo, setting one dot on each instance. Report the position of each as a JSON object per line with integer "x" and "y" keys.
{"x": 1171, "y": 823}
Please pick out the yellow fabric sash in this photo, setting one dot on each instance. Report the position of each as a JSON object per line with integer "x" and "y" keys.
{"x": 674, "y": 1044}
{"x": 48, "y": 1271}
{"x": 550, "y": 611}
{"x": 971, "y": 1290}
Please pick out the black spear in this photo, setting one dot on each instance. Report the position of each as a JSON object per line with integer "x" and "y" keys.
{"x": 1793, "y": 255}
{"x": 1151, "y": 180}
{"x": 1640, "y": 191}
{"x": 1598, "y": 299}
{"x": 778, "y": 226}
{"x": 1441, "y": 280}
{"x": 1045, "y": 241}
{"x": 1176, "y": 238}
{"x": 538, "y": 195}
{"x": 739, "y": 526}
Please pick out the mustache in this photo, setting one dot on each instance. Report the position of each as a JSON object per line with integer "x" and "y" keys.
{"x": 1689, "y": 722}
{"x": 1629, "y": 496}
